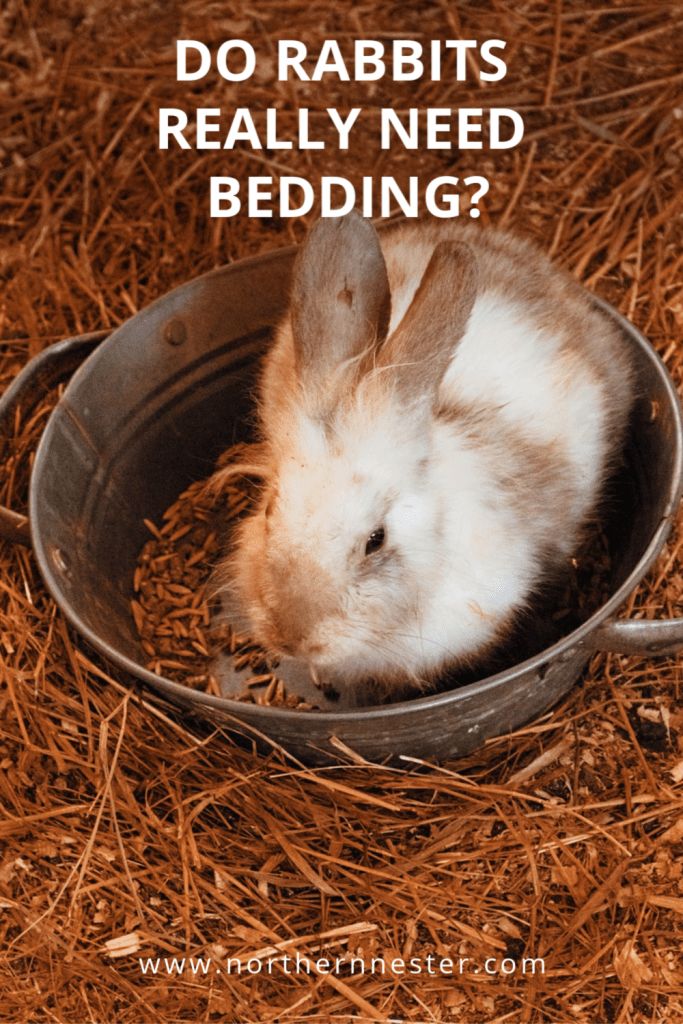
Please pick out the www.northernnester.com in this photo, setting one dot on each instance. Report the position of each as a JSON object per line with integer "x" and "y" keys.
{"x": 344, "y": 966}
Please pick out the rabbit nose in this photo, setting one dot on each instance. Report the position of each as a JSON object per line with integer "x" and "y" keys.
{"x": 290, "y": 637}
{"x": 283, "y": 637}
{"x": 295, "y": 646}
{"x": 286, "y": 648}
{"x": 305, "y": 599}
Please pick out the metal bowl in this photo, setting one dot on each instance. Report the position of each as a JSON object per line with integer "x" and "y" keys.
{"x": 151, "y": 408}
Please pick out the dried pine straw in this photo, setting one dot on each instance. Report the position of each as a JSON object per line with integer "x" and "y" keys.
{"x": 128, "y": 829}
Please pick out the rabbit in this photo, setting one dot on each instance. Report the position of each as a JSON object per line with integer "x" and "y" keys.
{"x": 438, "y": 414}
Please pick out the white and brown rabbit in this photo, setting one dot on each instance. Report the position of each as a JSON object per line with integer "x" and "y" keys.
{"x": 438, "y": 413}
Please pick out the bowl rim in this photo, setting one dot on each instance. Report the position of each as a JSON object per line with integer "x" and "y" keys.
{"x": 562, "y": 649}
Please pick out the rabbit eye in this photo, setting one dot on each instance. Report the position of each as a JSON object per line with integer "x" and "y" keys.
{"x": 375, "y": 541}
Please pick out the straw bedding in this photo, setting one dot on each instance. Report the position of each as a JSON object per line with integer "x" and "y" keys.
{"x": 129, "y": 830}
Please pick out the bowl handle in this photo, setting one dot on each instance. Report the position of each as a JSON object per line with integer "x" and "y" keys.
{"x": 39, "y": 375}
{"x": 639, "y": 636}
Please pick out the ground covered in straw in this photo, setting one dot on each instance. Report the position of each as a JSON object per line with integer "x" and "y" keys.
{"x": 129, "y": 831}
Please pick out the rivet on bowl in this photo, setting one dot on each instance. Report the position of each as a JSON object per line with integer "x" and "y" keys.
{"x": 175, "y": 332}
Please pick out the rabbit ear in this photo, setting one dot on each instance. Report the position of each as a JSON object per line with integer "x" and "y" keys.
{"x": 421, "y": 347}
{"x": 340, "y": 296}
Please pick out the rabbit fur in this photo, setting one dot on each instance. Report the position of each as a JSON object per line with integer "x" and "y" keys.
{"x": 438, "y": 415}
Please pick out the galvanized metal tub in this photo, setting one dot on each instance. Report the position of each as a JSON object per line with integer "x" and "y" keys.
{"x": 155, "y": 403}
